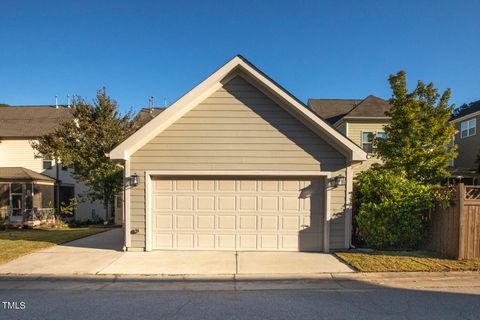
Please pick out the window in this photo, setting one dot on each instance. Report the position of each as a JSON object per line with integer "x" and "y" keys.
{"x": 47, "y": 163}
{"x": 367, "y": 141}
{"x": 381, "y": 135}
{"x": 468, "y": 128}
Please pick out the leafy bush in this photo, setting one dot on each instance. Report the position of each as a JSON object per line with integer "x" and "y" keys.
{"x": 391, "y": 208}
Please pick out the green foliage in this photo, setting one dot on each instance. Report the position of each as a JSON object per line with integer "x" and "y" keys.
{"x": 392, "y": 199}
{"x": 391, "y": 208}
{"x": 419, "y": 134}
{"x": 84, "y": 143}
{"x": 69, "y": 207}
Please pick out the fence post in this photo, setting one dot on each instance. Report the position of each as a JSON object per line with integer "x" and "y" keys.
{"x": 461, "y": 219}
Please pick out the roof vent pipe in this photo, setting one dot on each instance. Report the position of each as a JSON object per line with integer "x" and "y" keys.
{"x": 165, "y": 102}
{"x": 151, "y": 102}
{"x": 56, "y": 102}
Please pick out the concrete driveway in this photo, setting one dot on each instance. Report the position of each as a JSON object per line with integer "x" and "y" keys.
{"x": 101, "y": 254}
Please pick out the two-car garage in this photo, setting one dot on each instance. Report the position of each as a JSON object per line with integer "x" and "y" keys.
{"x": 237, "y": 214}
{"x": 238, "y": 163}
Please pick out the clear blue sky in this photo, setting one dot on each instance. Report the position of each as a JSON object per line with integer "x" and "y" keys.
{"x": 321, "y": 49}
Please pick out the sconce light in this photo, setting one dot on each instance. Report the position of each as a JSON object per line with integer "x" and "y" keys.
{"x": 338, "y": 181}
{"x": 131, "y": 181}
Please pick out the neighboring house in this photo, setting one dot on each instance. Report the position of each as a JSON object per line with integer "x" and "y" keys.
{"x": 238, "y": 163}
{"x": 28, "y": 182}
{"x": 357, "y": 119}
{"x": 466, "y": 137}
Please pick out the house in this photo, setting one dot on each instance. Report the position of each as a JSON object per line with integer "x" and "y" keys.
{"x": 360, "y": 120}
{"x": 466, "y": 137}
{"x": 238, "y": 163}
{"x": 29, "y": 184}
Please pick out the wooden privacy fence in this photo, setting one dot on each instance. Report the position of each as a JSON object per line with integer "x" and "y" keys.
{"x": 454, "y": 232}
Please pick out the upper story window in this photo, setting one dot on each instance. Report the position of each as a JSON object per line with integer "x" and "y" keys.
{"x": 47, "y": 163}
{"x": 367, "y": 141}
{"x": 381, "y": 135}
{"x": 468, "y": 128}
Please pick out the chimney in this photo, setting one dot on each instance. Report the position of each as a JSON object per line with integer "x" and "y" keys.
{"x": 68, "y": 101}
{"x": 56, "y": 102}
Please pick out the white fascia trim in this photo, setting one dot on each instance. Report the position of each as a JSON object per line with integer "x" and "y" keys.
{"x": 466, "y": 117}
{"x": 205, "y": 89}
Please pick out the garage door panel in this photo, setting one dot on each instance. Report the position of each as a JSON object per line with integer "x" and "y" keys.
{"x": 216, "y": 214}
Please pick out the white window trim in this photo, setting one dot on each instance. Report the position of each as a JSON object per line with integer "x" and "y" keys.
{"x": 468, "y": 128}
{"x": 375, "y": 132}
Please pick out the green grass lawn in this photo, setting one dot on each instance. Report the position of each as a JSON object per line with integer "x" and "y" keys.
{"x": 15, "y": 243}
{"x": 397, "y": 261}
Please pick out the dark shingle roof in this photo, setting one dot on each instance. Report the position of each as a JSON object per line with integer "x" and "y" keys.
{"x": 466, "y": 109}
{"x": 333, "y": 110}
{"x": 144, "y": 116}
{"x": 371, "y": 106}
{"x": 31, "y": 121}
{"x": 10, "y": 174}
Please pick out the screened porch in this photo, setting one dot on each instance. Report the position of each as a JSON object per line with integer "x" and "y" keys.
{"x": 26, "y": 197}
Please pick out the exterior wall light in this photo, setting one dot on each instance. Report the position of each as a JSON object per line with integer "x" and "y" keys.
{"x": 131, "y": 181}
{"x": 338, "y": 181}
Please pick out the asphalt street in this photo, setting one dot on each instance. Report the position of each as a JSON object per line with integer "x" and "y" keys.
{"x": 106, "y": 298}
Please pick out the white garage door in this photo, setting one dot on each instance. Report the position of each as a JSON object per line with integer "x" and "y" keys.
{"x": 283, "y": 215}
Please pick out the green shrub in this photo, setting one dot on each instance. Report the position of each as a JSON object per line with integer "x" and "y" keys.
{"x": 391, "y": 208}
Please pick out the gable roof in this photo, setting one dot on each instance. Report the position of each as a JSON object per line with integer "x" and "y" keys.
{"x": 10, "y": 174}
{"x": 214, "y": 82}
{"x": 371, "y": 106}
{"x": 31, "y": 121}
{"x": 332, "y": 110}
{"x": 335, "y": 110}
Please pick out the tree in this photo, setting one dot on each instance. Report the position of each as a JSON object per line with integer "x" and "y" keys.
{"x": 419, "y": 133}
{"x": 84, "y": 142}
{"x": 392, "y": 198}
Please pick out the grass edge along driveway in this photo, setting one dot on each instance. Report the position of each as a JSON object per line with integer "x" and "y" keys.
{"x": 405, "y": 261}
{"x": 15, "y": 243}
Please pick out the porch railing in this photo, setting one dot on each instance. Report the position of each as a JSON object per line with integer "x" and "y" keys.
{"x": 36, "y": 214}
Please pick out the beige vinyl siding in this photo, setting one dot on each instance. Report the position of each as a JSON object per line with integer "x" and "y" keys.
{"x": 355, "y": 130}
{"x": 237, "y": 128}
{"x": 19, "y": 153}
{"x": 337, "y": 214}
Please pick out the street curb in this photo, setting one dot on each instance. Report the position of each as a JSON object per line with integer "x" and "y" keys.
{"x": 248, "y": 277}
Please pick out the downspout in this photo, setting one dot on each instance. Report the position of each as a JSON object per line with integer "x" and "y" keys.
{"x": 57, "y": 180}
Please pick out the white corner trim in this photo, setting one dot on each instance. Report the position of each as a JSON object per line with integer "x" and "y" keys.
{"x": 326, "y": 220}
{"x": 205, "y": 89}
{"x": 148, "y": 212}
{"x": 126, "y": 203}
